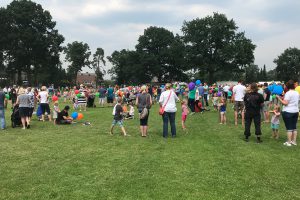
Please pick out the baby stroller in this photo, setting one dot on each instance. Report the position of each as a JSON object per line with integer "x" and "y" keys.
{"x": 15, "y": 117}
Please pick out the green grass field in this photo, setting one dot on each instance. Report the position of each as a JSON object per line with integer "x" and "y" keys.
{"x": 211, "y": 161}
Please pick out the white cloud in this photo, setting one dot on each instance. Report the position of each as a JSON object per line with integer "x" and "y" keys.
{"x": 269, "y": 49}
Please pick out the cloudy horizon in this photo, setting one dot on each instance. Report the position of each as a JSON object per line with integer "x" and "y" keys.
{"x": 116, "y": 24}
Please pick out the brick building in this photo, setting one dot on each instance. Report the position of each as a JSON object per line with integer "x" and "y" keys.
{"x": 86, "y": 78}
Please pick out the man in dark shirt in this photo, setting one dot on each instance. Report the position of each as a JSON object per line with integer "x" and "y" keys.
{"x": 102, "y": 95}
{"x": 118, "y": 117}
{"x": 267, "y": 95}
{"x": 63, "y": 116}
{"x": 3, "y": 103}
{"x": 253, "y": 103}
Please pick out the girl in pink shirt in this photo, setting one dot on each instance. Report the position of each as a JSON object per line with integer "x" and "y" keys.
{"x": 185, "y": 112}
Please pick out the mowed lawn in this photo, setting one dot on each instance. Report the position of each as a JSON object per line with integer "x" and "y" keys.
{"x": 211, "y": 161}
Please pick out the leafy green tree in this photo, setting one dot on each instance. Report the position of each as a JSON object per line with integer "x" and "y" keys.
{"x": 214, "y": 45}
{"x": 30, "y": 42}
{"x": 127, "y": 67}
{"x": 163, "y": 54}
{"x": 78, "y": 55}
{"x": 98, "y": 60}
{"x": 288, "y": 65}
{"x": 251, "y": 73}
{"x": 264, "y": 74}
{"x": 271, "y": 74}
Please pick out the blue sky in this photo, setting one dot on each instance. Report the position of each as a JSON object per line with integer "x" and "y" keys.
{"x": 116, "y": 24}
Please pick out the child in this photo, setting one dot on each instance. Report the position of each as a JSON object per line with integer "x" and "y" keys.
{"x": 275, "y": 121}
{"x": 55, "y": 111}
{"x": 185, "y": 112}
{"x": 65, "y": 96}
{"x": 222, "y": 110}
{"x": 130, "y": 115}
{"x": 215, "y": 101}
{"x": 118, "y": 117}
{"x": 75, "y": 102}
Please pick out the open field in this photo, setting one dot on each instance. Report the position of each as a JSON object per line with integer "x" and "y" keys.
{"x": 211, "y": 161}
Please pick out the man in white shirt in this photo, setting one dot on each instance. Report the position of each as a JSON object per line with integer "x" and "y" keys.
{"x": 226, "y": 89}
{"x": 239, "y": 92}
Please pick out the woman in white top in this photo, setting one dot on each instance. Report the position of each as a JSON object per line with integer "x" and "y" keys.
{"x": 290, "y": 113}
{"x": 168, "y": 101}
{"x": 44, "y": 103}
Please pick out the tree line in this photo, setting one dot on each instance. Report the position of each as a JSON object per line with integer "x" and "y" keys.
{"x": 209, "y": 48}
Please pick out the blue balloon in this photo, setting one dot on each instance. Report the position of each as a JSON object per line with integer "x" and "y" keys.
{"x": 74, "y": 115}
{"x": 198, "y": 82}
{"x": 277, "y": 90}
{"x": 271, "y": 87}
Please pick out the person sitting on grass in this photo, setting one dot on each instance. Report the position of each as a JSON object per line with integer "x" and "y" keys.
{"x": 63, "y": 116}
{"x": 130, "y": 114}
{"x": 118, "y": 117}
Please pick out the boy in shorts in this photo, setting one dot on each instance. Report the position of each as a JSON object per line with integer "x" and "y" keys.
{"x": 118, "y": 117}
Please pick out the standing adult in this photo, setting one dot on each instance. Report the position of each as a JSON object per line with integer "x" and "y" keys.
{"x": 238, "y": 95}
{"x": 290, "y": 112}
{"x": 205, "y": 86}
{"x": 144, "y": 100}
{"x": 24, "y": 102}
{"x": 168, "y": 100}
{"x": 31, "y": 104}
{"x": 102, "y": 94}
{"x": 253, "y": 103}
{"x": 201, "y": 94}
{"x": 267, "y": 95}
{"x": 110, "y": 95}
{"x": 44, "y": 103}
{"x": 191, "y": 100}
{"x": 226, "y": 90}
{"x": 13, "y": 95}
{"x": 3, "y": 103}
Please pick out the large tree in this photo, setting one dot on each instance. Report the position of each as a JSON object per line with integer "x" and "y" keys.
{"x": 30, "y": 43}
{"x": 288, "y": 65}
{"x": 78, "y": 55}
{"x": 98, "y": 60}
{"x": 252, "y": 73}
{"x": 127, "y": 67}
{"x": 162, "y": 53}
{"x": 214, "y": 45}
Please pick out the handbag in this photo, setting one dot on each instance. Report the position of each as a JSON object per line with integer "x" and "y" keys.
{"x": 162, "y": 108}
{"x": 144, "y": 113}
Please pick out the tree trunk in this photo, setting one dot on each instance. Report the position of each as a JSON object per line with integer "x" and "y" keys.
{"x": 19, "y": 78}
{"x": 210, "y": 77}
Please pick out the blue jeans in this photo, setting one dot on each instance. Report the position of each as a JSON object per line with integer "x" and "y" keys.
{"x": 2, "y": 118}
{"x": 166, "y": 117}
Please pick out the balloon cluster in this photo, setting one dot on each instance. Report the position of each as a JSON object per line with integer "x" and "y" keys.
{"x": 76, "y": 115}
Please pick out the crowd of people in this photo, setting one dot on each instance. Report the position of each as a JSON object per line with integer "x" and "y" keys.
{"x": 253, "y": 102}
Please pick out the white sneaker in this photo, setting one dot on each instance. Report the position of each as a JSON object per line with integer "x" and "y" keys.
{"x": 293, "y": 143}
{"x": 287, "y": 144}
